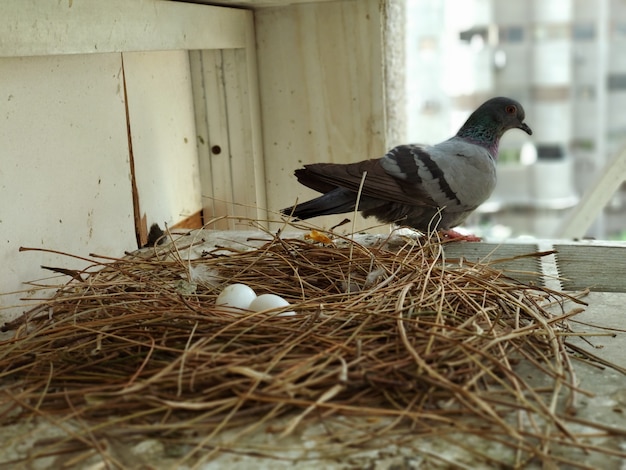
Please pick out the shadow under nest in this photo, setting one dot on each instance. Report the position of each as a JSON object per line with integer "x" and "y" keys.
{"x": 393, "y": 331}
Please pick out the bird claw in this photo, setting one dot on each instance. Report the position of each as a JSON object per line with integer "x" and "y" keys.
{"x": 453, "y": 235}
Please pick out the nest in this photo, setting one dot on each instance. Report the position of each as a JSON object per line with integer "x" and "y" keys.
{"x": 390, "y": 339}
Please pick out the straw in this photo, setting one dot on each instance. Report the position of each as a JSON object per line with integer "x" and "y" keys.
{"x": 388, "y": 339}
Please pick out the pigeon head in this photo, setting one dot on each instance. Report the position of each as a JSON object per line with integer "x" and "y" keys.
{"x": 491, "y": 120}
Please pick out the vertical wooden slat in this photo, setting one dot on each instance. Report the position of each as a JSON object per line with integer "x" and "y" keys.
{"x": 321, "y": 88}
{"x": 257, "y": 157}
{"x": 162, "y": 126}
{"x": 141, "y": 226}
{"x": 212, "y": 129}
{"x": 229, "y": 133}
{"x": 247, "y": 203}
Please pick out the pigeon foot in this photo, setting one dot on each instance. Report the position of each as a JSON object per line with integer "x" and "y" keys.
{"x": 453, "y": 235}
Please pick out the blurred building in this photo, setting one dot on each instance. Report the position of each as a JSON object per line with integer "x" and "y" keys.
{"x": 563, "y": 60}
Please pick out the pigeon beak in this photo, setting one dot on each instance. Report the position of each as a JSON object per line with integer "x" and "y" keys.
{"x": 523, "y": 126}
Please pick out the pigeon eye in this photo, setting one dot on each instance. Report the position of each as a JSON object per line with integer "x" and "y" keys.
{"x": 510, "y": 109}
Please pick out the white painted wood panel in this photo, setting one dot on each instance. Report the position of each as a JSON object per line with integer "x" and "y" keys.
{"x": 228, "y": 124}
{"x": 64, "y": 172}
{"x": 65, "y": 169}
{"x": 161, "y": 112}
{"x": 256, "y": 3}
{"x": 321, "y": 88}
{"x": 244, "y": 131}
{"x": 212, "y": 131}
{"x": 42, "y": 27}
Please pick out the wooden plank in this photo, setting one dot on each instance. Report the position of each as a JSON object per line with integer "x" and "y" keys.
{"x": 246, "y": 169}
{"x": 44, "y": 27}
{"x": 213, "y": 140}
{"x": 321, "y": 88}
{"x": 228, "y": 125}
{"x": 523, "y": 268}
{"x": 65, "y": 174}
{"x": 256, "y": 3}
{"x": 199, "y": 91}
{"x": 253, "y": 126}
{"x": 598, "y": 268}
{"x": 162, "y": 127}
{"x": 141, "y": 224}
{"x": 578, "y": 221}
{"x": 191, "y": 222}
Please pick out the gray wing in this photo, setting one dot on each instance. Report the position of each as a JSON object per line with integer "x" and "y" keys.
{"x": 454, "y": 174}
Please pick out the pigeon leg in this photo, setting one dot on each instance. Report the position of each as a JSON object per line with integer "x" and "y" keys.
{"x": 453, "y": 235}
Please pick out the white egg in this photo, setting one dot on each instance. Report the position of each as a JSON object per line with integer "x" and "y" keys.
{"x": 236, "y": 296}
{"x": 270, "y": 302}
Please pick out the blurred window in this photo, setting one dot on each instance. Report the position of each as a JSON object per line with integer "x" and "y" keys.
{"x": 473, "y": 34}
{"x": 551, "y": 31}
{"x": 617, "y": 81}
{"x": 583, "y": 31}
{"x": 511, "y": 34}
{"x": 585, "y": 92}
{"x": 619, "y": 30}
{"x": 427, "y": 44}
{"x": 550, "y": 152}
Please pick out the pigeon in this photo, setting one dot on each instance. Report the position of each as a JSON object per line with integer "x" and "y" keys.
{"x": 426, "y": 187}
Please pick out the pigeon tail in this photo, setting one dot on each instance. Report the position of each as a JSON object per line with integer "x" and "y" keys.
{"x": 337, "y": 201}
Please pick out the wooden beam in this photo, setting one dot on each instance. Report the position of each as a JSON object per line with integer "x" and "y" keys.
{"x": 577, "y": 222}
{"x": 193, "y": 221}
{"x": 322, "y": 91}
{"x": 92, "y": 26}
